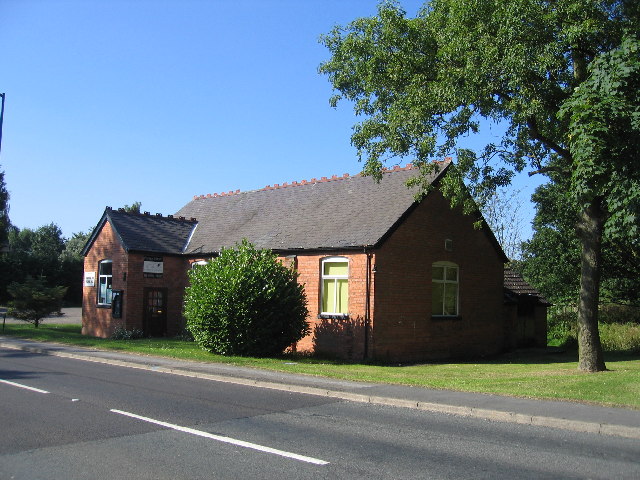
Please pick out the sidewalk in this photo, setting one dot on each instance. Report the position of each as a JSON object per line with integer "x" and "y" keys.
{"x": 577, "y": 417}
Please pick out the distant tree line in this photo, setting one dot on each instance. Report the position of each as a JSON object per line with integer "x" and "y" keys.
{"x": 43, "y": 252}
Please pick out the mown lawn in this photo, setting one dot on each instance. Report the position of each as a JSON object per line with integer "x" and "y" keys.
{"x": 533, "y": 374}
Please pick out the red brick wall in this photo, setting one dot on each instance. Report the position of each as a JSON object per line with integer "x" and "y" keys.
{"x": 403, "y": 328}
{"x": 174, "y": 279}
{"x": 343, "y": 338}
{"x": 97, "y": 321}
{"x": 128, "y": 276}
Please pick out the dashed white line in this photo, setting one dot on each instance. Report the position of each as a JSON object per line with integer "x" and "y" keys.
{"x": 20, "y": 385}
{"x": 219, "y": 438}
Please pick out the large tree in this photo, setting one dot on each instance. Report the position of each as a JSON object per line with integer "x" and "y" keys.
{"x": 561, "y": 74}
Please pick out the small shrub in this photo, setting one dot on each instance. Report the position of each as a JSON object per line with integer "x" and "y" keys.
{"x": 121, "y": 333}
{"x": 246, "y": 303}
{"x": 616, "y": 337}
{"x": 562, "y": 327}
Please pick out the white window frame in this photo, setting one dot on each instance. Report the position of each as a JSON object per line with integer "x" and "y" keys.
{"x": 324, "y": 277}
{"x": 108, "y": 281}
{"x": 445, "y": 282}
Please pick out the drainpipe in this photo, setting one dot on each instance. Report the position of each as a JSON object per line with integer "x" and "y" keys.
{"x": 367, "y": 308}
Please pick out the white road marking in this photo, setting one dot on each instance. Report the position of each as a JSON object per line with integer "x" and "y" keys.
{"x": 219, "y": 438}
{"x": 33, "y": 389}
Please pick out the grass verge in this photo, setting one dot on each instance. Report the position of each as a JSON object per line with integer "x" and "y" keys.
{"x": 531, "y": 374}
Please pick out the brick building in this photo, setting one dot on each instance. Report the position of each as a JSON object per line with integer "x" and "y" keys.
{"x": 386, "y": 276}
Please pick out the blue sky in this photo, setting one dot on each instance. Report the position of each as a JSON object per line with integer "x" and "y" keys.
{"x": 110, "y": 102}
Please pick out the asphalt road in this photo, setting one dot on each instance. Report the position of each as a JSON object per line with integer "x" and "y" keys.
{"x": 109, "y": 422}
{"x": 71, "y": 315}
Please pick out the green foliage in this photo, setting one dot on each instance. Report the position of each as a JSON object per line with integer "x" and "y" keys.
{"x": 246, "y": 303}
{"x": 121, "y": 333}
{"x": 133, "y": 208}
{"x": 551, "y": 259}
{"x": 44, "y": 252}
{"x": 616, "y": 337}
{"x": 619, "y": 328}
{"x": 562, "y": 328}
{"x": 423, "y": 83}
{"x": 34, "y": 300}
{"x": 619, "y": 313}
{"x": 603, "y": 115}
{"x": 71, "y": 264}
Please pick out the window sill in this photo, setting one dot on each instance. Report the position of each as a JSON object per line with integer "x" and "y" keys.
{"x": 439, "y": 318}
{"x": 334, "y": 316}
{"x": 103, "y": 305}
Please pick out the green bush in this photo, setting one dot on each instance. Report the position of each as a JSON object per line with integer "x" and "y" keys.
{"x": 562, "y": 326}
{"x": 246, "y": 303}
{"x": 616, "y": 335}
{"x": 617, "y": 313}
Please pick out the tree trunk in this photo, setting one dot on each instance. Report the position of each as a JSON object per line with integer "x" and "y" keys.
{"x": 590, "y": 358}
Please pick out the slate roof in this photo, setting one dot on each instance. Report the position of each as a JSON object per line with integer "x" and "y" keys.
{"x": 145, "y": 232}
{"x": 515, "y": 285}
{"x": 330, "y": 213}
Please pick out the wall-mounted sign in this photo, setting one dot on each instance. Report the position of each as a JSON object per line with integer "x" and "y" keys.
{"x": 153, "y": 265}
{"x": 89, "y": 279}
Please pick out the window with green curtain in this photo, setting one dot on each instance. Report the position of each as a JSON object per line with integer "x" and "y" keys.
{"x": 335, "y": 285}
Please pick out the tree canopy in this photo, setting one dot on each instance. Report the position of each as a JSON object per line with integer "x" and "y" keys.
{"x": 561, "y": 75}
{"x": 133, "y": 208}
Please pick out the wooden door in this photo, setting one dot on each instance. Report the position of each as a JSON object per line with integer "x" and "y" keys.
{"x": 155, "y": 312}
